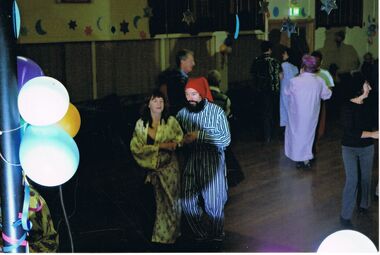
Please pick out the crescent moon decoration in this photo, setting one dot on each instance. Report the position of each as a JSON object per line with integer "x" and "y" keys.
{"x": 16, "y": 19}
{"x": 136, "y": 20}
{"x": 98, "y": 23}
{"x": 39, "y": 28}
{"x": 237, "y": 27}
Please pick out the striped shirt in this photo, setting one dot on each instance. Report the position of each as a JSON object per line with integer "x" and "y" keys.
{"x": 211, "y": 123}
{"x": 205, "y": 170}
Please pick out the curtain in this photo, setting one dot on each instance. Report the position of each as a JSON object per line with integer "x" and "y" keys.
{"x": 210, "y": 15}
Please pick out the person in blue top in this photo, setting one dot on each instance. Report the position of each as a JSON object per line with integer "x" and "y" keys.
{"x": 288, "y": 71}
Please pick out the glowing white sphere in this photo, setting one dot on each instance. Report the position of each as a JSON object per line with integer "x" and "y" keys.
{"x": 347, "y": 241}
{"x": 43, "y": 101}
{"x": 48, "y": 155}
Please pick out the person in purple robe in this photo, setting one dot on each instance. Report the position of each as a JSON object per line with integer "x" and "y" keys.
{"x": 304, "y": 100}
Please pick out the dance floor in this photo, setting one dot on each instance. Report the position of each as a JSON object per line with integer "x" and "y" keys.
{"x": 276, "y": 208}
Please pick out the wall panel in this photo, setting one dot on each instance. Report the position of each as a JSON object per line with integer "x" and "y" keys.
{"x": 201, "y": 46}
{"x": 244, "y": 50}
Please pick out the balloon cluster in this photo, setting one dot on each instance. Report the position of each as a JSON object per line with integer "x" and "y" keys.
{"x": 48, "y": 153}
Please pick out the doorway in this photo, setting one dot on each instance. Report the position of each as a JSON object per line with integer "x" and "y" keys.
{"x": 300, "y": 43}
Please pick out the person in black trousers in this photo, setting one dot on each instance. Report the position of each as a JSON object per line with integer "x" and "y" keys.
{"x": 357, "y": 148}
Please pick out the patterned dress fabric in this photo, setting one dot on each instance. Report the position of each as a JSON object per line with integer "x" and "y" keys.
{"x": 164, "y": 175}
{"x": 265, "y": 72}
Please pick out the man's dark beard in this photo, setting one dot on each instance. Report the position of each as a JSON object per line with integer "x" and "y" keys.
{"x": 197, "y": 107}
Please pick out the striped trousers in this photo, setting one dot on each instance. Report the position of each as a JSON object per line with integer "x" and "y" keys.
{"x": 205, "y": 177}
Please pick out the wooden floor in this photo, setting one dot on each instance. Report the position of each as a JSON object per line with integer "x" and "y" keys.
{"x": 276, "y": 208}
{"x": 279, "y": 208}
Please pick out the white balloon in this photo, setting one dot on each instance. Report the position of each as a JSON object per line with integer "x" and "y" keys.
{"x": 346, "y": 241}
{"x": 43, "y": 101}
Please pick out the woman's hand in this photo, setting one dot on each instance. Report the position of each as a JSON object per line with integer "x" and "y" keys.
{"x": 170, "y": 146}
{"x": 375, "y": 134}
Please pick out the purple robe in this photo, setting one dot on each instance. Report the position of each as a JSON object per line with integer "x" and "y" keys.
{"x": 304, "y": 101}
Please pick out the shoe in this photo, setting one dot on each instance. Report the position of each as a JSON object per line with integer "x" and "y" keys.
{"x": 346, "y": 222}
{"x": 219, "y": 238}
{"x": 299, "y": 165}
{"x": 306, "y": 164}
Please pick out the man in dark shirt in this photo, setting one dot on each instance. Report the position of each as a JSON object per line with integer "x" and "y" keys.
{"x": 173, "y": 81}
{"x": 265, "y": 72}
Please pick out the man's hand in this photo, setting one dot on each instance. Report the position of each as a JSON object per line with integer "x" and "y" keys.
{"x": 190, "y": 137}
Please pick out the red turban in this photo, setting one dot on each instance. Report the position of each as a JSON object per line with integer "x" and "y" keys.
{"x": 200, "y": 84}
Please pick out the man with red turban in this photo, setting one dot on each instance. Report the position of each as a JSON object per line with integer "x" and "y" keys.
{"x": 206, "y": 136}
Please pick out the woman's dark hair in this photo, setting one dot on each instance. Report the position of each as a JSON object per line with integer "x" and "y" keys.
{"x": 145, "y": 111}
{"x": 290, "y": 53}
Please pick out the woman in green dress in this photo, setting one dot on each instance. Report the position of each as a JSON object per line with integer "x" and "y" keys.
{"x": 155, "y": 139}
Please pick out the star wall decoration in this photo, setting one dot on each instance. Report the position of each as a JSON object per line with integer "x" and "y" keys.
{"x": 264, "y": 8}
{"x": 328, "y": 6}
{"x": 288, "y": 26}
{"x": 371, "y": 29}
{"x": 88, "y": 30}
{"x": 72, "y": 24}
{"x": 188, "y": 17}
{"x": 113, "y": 29}
{"x": 148, "y": 12}
{"x": 124, "y": 27}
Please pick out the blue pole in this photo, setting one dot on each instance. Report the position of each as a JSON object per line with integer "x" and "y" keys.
{"x": 10, "y": 175}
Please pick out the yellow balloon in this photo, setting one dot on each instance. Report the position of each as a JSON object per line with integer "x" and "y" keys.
{"x": 71, "y": 121}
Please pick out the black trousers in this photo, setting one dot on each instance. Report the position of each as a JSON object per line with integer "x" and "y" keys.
{"x": 268, "y": 104}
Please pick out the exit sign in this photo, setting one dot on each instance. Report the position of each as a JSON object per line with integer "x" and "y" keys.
{"x": 294, "y": 11}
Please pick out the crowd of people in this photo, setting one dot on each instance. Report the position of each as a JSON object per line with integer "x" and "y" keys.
{"x": 194, "y": 182}
{"x": 183, "y": 135}
{"x": 185, "y": 152}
